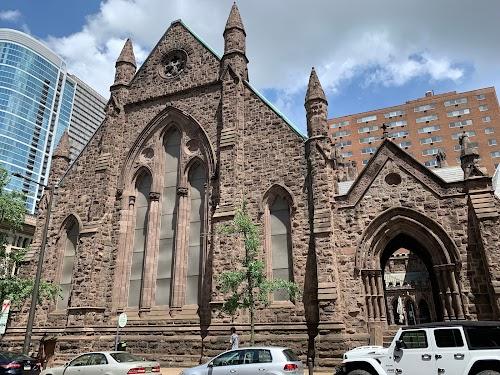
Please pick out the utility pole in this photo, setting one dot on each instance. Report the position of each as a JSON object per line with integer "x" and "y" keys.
{"x": 36, "y": 286}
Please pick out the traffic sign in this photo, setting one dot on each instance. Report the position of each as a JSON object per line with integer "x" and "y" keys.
{"x": 122, "y": 320}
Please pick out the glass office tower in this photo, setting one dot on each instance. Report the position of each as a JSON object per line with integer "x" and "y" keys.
{"x": 37, "y": 101}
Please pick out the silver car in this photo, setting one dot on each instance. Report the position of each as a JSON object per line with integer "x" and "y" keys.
{"x": 105, "y": 363}
{"x": 251, "y": 361}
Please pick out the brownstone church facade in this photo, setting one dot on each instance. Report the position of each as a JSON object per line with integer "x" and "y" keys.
{"x": 135, "y": 222}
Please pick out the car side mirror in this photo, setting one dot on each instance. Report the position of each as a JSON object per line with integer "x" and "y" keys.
{"x": 400, "y": 344}
{"x": 210, "y": 364}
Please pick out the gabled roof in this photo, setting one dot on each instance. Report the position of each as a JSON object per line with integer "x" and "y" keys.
{"x": 176, "y": 22}
{"x": 388, "y": 150}
{"x": 293, "y": 127}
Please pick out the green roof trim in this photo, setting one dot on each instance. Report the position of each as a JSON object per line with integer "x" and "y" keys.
{"x": 277, "y": 111}
{"x": 199, "y": 38}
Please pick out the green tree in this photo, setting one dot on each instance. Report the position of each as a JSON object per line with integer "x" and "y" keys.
{"x": 13, "y": 286}
{"x": 248, "y": 285}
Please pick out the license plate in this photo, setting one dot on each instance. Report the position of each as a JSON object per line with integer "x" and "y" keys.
{"x": 148, "y": 369}
{"x": 27, "y": 367}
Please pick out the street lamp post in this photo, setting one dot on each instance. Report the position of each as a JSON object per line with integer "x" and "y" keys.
{"x": 36, "y": 286}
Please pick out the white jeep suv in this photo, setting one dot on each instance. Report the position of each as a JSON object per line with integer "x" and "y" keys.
{"x": 451, "y": 348}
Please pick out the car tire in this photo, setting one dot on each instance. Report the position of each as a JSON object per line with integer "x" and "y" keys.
{"x": 488, "y": 372}
{"x": 359, "y": 372}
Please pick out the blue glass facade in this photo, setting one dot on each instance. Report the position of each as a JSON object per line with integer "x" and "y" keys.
{"x": 35, "y": 110}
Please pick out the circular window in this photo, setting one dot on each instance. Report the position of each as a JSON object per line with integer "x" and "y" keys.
{"x": 393, "y": 179}
{"x": 173, "y": 64}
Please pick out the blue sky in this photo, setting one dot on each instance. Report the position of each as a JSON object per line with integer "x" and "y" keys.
{"x": 368, "y": 54}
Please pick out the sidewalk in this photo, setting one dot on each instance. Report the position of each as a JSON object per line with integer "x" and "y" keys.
{"x": 176, "y": 371}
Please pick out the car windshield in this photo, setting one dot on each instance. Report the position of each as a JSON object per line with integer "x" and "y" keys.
{"x": 126, "y": 357}
{"x": 14, "y": 356}
{"x": 291, "y": 356}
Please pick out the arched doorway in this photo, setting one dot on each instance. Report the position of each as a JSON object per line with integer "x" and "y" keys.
{"x": 407, "y": 278}
{"x": 405, "y": 228}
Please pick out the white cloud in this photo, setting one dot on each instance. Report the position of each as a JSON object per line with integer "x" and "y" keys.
{"x": 10, "y": 15}
{"x": 386, "y": 43}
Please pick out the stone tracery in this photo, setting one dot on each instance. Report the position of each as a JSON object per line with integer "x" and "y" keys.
{"x": 178, "y": 180}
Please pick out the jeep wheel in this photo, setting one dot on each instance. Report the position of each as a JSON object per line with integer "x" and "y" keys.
{"x": 363, "y": 372}
{"x": 488, "y": 372}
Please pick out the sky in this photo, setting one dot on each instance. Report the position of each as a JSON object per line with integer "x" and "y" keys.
{"x": 368, "y": 53}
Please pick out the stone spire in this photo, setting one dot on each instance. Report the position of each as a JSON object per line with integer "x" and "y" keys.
{"x": 314, "y": 89}
{"x": 125, "y": 65}
{"x": 235, "y": 44}
{"x": 234, "y": 19}
{"x": 316, "y": 107}
{"x": 60, "y": 159}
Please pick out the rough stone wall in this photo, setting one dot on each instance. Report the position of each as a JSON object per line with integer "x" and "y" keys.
{"x": 414, "y": 192}
{"x": 268, "y": 153}
{"x": 255, "y": 152}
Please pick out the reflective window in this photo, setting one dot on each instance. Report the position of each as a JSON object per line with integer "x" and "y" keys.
{"x": 424, "y": 107}
{"x": 366, "y": 119}
{"x": 426, "y": 118}
{"x": 459, "y": 112}
{"x": 143, "y": 187}
{"x": 70, "y": 246}
{"x": 82, "y": 360}
{"x": 459, "y": 124}
{"x": 257, "y": 356}
{"x": 414, "y": 339}
{"x": 197, "y": 181}
{"x": 449, "y": 103}
{"x": 339, "y": 124}
{"x": 168, "y": 224}
{"x": 470, "y": 133}
{"x": 448, "y": 338}
{"x": 367, "y": 129}
{"x": 341, "y": 133}
{"x": 394, "y": 114}
{"x": 280, "y": 243}
{"x": 395, "y": 124}
{"x": 231, "y": 358}
{"x": 486, "y": 337}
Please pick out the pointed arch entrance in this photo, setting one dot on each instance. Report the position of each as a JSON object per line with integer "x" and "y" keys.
{"x": 406, "y": 228}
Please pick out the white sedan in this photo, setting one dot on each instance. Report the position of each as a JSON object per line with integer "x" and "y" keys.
{"x": 105, "y": 363}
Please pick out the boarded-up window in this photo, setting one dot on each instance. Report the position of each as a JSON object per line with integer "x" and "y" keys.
{"x": 197, "y": 182}
{"x": 168, "y": 218}
{"x": 70, "y": 245}
{"x": 143, "y": 187}
{"x": 280, "y": 243}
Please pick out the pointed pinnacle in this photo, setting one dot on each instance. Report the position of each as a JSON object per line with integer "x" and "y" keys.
{"x": 234, "y": 19}
{"x": 62, "y": 148}
{"x": 314, "y": 89}
{"x": 127, "y": 53}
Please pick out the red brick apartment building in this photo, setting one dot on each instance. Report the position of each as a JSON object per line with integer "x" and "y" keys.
{"x": 426, "y": 126}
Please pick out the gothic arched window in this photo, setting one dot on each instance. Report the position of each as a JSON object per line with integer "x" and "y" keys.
{"x": 278, "y": 238}
{"x": 197, "y": 182}
{"x": 168, "y": 221}
{"x": 143, "y": 188}
{"x": 161, "y": 244}
{"x": 70, "y": 243}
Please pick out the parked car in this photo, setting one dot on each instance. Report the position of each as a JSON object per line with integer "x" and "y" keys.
{"x": 454, "y": 348}
{"x": 251, "y": 361}
{"x": 18, "y": 364}
{"x": 105, "y": 363}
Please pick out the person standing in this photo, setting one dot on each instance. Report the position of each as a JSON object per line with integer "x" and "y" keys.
{"x": 234, "y": 339}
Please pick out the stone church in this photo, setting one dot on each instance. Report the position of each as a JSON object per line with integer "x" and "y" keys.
{"x": 134, "y": 226}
